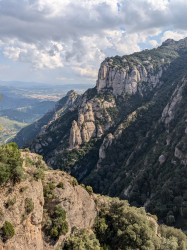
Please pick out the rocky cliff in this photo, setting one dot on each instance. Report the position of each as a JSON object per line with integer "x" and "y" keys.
{"x": 30, "y": 231}
{"x": 127, "y": 78}
{"x": 47, "y": 209}
{"x": 127, "y": 136}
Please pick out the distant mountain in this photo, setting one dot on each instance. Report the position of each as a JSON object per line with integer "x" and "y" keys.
{"x": 127, "y": 137}
{"x": 25, "y": 136}
{"x": 23, "y": 103}
{"x": 13, "y": 102}
{"x": 37, "y": 85}
{"x": 29, "y": 113}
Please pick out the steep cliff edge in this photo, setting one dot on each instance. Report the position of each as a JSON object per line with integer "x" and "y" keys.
{"x": 42, "y": 208}
{"x": 45, "y": 192}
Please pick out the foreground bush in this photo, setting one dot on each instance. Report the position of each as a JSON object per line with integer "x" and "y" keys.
{"x": 81, "y": 239}
{"x": 57, "y": 225}
{"x": 120, "y": 226}
{"x": 10, "y": 164}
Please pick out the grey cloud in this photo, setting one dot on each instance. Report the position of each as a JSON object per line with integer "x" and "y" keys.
{"x": 22, "y": 20}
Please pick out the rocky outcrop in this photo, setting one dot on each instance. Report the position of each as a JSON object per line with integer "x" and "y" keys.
{"x": 75, "y": 136}
{"x": 29, "y": 233}
{"x": 84, "y": 129}
{"x": 93, "y": 121}
{"x": 168, "y": 113}
{"x": 182, "y": 156}
{"x": 126, "y": 79}
{"x": 106, "y": 143}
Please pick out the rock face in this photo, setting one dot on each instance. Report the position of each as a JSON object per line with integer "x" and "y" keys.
{"x": 106, "y": 143}
{"x": 78, "y": 204}
{"x": 169, "y": 111}
{"x": 75, "y": 136}
{"x": 127, "y": 79}
{"x": 82, "y": 131}
{"x": 88, "y": 125}
{"x": 27, "y": 233}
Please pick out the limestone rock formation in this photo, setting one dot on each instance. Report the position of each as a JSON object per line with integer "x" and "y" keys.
{"x": 87, "y": 125}
{"x": 169, "y": 111}
{"x": 126, "y": 80}
{"x": 75, "y": 135}
{"x": 29, "y": 233}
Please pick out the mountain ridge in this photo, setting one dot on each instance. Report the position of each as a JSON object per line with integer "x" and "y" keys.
{"x": 127, "y": 136}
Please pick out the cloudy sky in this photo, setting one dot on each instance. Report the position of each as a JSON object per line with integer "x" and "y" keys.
{"x": 64, "y": 41}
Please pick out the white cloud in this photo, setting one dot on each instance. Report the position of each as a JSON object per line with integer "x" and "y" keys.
{"x": 41, "y": 56}
{"x": 173, "y": 35}
{"x": 51, "y": 34}
{"x": 153, "y": 43}
{"x": 124, "y": 43}
{"x": 87, "y": 71}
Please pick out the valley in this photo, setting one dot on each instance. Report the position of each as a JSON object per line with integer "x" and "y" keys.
{"x": 23, "y": 103}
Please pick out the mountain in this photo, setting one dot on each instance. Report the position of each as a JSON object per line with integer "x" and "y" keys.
{"x": 127, "y": 137}
{"x": 41, "y": 208}
{"x": 39, "y": 127}
{"x": 28, "y": 113}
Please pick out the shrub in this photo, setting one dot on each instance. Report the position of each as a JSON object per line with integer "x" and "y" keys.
{"x": 82, "y": 185}
{"x": 54, "y": 233}
{"x": 7, "y": 231}
{"x": 10, "y": 164}
{"x": 29, "y": 205}
{"x": 58, "y": 224}
{"x": 39, "y": 163}
{"x": 169, "y": 234}
{"x": 123, "y": 227}
{"x": 48, "y": 223}
{"x": 4, "y": 173}
{"x": 89, "y": 190}
{"x": 59, "y": 212}
{"x": 60, "y": 185}
{"x": 39, "y": 174}
{"x": 63, "y": 228}
{"x": 11, "y": 202}
{"x": 74, "y": 182}
{"x": 29, "y": 162}
{"x": 82, "y": 239}
{"x": 26, "y": 150}
{"x": 48, "y": 190}
{"x": 22, "y": 189}
{"x": 1, "y": 214}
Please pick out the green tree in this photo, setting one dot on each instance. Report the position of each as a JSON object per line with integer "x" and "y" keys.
{"x": 10, "y": 163}
{"x": 82, "y": 240}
